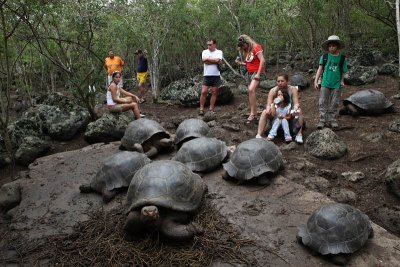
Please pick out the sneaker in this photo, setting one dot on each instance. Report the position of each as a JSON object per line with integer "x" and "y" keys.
{"x": 258, "y": 136}
{"x": 299, "y": 139}
{"x": 334, "y": 124}
{"x": 320, "y": 125}
{"x": 142, "y": 115}
{"x": 270, "y": 138}
{"x": 288, "y": 139}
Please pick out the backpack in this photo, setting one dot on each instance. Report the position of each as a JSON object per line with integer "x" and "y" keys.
{"x": 325, "y": 60}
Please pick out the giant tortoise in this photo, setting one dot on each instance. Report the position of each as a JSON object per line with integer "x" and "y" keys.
{"x": 115, "y": 173}
{"x": 145, "y": 136}
{"x": 190, "y": 129}
{"x": 255, "y": 158}
{"x": 163, "y": 196}
{"x": 368, "y": 102}
{"x": 334, "y": 229}
{"x": 202, "y": 154}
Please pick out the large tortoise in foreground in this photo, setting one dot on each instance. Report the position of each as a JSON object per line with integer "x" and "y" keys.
{"x": 115, "y": 173}
{"x": 163, "y": 196}
{"x": 145, "y": 136}
{"x": 255, "y": 158}
{"x": 368, "y": 102}
{"x": 202, "y": 154}
{"x": 336, "y": 228}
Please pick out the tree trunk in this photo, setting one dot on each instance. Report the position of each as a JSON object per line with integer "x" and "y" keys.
{"x": 398, "y": 34}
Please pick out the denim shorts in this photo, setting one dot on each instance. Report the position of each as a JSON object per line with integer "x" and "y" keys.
{"x": 212, "y": 80}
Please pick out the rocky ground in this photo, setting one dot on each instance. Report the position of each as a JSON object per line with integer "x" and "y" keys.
{"x": 371, "y": 148}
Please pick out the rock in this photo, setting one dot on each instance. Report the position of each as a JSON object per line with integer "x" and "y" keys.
{"x": 374, "y": 137}
{"x": 395, "y": 126}
{"x": 360, "y": 75}
{"x": 174, "y": 90}
{"x": 10, "y": 195}
{"x": 31, "y": 148}
{"x": 388, "y": 217}
{"x": 266, "y": 85}
{"x": 325, "y": 144}
{"x": 330, "y": 174}
{"x": 317, "y": 183}
{"x": 231, "y": 127}
{"x": 299, "y": 80}
{"x": 342, "y": 195}
{"x": 111, "y": 127}
{"x": 240, "y": 89}
{"x": 212, "y": 124}
{"x": 221, "y": 134}
{"x": 392, "y": 178}
{"x": 289, "y": 147}
{"x": 22, "y": 128}
{"x": 388, "y": 69}
{"x": 353, "y": 176}
{"x": 209, "y": 116}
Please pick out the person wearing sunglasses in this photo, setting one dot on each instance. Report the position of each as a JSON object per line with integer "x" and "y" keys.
{"x": 211, "y": 58}
{"x": 252, "y": 53}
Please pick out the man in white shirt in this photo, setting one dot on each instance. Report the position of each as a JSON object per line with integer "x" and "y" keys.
{"x": 211, "y": 58}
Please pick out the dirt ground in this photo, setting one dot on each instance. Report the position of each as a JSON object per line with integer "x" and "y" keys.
{"x": 371, "y": 148}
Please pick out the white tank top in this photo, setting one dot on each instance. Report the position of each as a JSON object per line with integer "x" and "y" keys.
{"x": 110, "y": 101}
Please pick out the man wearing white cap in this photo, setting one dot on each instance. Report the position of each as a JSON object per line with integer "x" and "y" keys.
{"x": 332, "y": 65}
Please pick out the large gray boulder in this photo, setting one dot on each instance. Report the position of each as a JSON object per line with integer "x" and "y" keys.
{"x": 388, "y": 69}
{"x": 32, "y": 147}
{"x": 394, "y": 126}
{"x": 359, "y": 75}
{"x": 392, "y": 178}
{"x": 191, "y": 97}
{"x": 175, "y": 89}
{"x": 22, "y": 128}
{"x": 110, "y": 127}
{"x": 267, "y": 84}
{"x": 63, "y": 124}
{"x": 4, "y": 157}
{"x": 299, "y": 80}
{"x": 325, "y": 144}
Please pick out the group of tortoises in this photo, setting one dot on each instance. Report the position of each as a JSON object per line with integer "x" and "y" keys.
{"x": 163, "y": 195}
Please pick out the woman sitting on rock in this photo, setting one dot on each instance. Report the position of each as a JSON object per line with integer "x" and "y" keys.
{"x": 296, "y": 123}
{"x": 119, "y": 100}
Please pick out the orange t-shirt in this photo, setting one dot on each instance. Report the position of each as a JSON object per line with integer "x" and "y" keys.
{"x": 251, "y": 59}
{"x": 113, "y": 64}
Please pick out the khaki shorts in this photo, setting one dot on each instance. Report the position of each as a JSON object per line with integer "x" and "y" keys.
{"x": 250, "y": 76}
{"x": 141, "y": 77}
{"x": 116, "y": 108}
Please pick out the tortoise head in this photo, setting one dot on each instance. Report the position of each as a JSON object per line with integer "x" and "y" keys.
{"x": 150, "y": 213}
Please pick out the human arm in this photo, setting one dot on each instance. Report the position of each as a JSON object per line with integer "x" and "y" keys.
{"x": 125, "y": 93}
{"x": 270, "y": 100}
{"x": 295, "y": 97}
{"x": 319, "y": 71}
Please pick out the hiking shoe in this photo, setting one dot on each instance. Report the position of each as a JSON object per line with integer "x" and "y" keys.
{"x": 201, "y": 112}
{"x": 270, "y": 138}
{"x": 288, "y": 139}
{"x": 142, "y": 115}
{"x": 299, "y": 139}
{"x": 320, "y": 125}
{"x": 334, "y": 124}
{"x": 142, "y": 100}
{"x": 258, "y": 136}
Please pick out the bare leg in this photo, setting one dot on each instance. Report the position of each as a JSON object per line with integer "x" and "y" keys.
{"x": 204, "y": 91}
{"x": 252, "y": 97}
{"x": 134, "y": 107}
{"x": 214, "y": 92}
{"x": 142, "y": 90}
{"x": 262, "y": 123}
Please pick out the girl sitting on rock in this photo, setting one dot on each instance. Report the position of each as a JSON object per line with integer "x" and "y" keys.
{"x": 281, "y": 112}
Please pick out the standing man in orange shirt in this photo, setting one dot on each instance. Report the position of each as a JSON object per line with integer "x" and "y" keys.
{"x": 113, "y": 63}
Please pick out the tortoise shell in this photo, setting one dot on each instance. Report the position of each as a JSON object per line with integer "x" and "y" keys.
{"x": 371, "y": 101}
{"x": 189, "y": 129}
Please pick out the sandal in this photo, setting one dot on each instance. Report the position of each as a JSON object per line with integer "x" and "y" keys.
{"x": 250, "y": 119}
{"x": 201, "y": 112}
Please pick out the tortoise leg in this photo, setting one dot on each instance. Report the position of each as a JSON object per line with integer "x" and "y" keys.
{"x": 226, "y": 176}
{"x": 339, "y": 259}
{"x": 178, "y": 231}
{"x": 343, "y": 111}
{"x": 165, "y": 142}
{"x": 138, "y": 148}
{"x": 153, "y": 151}
{"x": 352, "y": 110}
{"x": 133, "y": 225}
{"x": 108, "y": 195}
{"x": 85, "y": 188}
{"x": 264, "y": 179}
